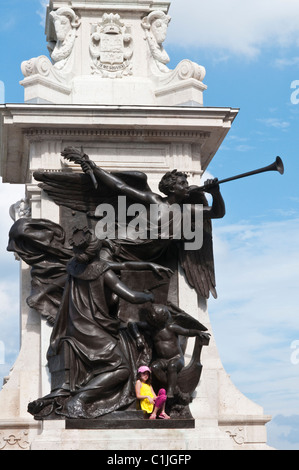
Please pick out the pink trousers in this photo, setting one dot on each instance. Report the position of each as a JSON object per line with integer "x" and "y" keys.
{"x": 161, "y": 398}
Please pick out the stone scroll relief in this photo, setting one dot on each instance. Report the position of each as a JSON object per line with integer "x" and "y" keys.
{"x": 155, "y": 26}
{"x": 64, "y": 26}
{"x": 111, "y": 47}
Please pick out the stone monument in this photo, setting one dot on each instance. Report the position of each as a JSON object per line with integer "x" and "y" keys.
{"x": 104, "y": 108}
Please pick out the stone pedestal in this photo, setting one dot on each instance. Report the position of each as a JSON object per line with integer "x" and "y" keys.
{"x": 120, "y": 102}
{"x": 110, "y": 53}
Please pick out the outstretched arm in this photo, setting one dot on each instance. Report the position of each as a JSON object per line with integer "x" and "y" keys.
{"x": 188, "y": 331}
{"x": 123, "y": 291}
{"x": 139, "y": 266}
{"x": 117, "y": 184}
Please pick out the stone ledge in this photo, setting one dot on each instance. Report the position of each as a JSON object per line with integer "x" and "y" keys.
{"x": 244, "y": 420}
{"x": 18, "y": 423}
{"x": 131, "y": 424}
{"x": 134, "y": 420}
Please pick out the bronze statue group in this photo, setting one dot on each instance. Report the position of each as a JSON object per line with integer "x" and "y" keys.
{"x": 97, "y": 345}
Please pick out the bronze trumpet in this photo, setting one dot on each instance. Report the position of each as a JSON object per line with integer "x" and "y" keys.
{"x": 277, "y": 165}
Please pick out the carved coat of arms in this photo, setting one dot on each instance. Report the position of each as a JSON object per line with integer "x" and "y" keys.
{"x": 111, "y": 47}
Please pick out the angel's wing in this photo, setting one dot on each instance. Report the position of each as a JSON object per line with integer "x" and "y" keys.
{"x": 77, "y": 192}
{"x": 183, "y": 319}
{"x": 73, "y": 190}
{"x": 198, "y": 265}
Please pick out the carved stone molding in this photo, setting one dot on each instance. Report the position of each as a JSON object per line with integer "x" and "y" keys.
{"x": 186, "y": 135}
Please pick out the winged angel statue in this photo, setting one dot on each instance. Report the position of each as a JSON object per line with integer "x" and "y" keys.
{"x": 77, "y": 284}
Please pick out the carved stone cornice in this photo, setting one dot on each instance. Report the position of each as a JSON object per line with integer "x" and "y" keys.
{"x": 24, "y": 125}
{"x": 114, "y": 5}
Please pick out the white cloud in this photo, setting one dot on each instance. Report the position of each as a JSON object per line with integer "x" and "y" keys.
{"x": 286, "y": 62}
{"x": 275, "y": 122}
{"x": 235, "y": 26}
{"x": 285, "y": 432}
{"x": 237, "y": 143}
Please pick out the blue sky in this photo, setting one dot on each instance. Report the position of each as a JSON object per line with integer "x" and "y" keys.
{"x": 251, "y": 54}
